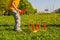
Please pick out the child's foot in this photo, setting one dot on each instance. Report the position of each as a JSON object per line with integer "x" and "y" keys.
{"x": 18, "y": 29}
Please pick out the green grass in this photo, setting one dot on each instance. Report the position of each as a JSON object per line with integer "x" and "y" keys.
{"x": 52, "y": 32}
{"x": 7, "y": 33}
{"x": 48, "y": 18}
{"x": 33, "y": 19}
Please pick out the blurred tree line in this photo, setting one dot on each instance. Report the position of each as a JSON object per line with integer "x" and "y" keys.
{"x": 23, "y": 5}
{"x": 57, "y": 10}
{"x": 3, "y": 6}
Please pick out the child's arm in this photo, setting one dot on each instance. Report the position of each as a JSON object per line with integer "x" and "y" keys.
{"x": 16, "y": 7}
{"x": 13, "y": 4}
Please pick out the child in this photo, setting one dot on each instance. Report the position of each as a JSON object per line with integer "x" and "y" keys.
{"x": 13, "y": 8}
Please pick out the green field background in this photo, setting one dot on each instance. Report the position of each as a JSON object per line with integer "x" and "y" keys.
{"x": 50, "y": 19}
{"x": 52, "y": 32}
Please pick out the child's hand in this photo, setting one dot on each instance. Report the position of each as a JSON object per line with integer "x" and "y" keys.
{"x": 21, "y": 11}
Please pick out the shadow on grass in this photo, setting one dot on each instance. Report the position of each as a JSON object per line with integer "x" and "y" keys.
{"x": 9, "y": 29}
{"x": 31, "y": 25}
{"x": 6, "y": 25}
{"x": 46, "y": 25}
{"x": 6, "y": 29}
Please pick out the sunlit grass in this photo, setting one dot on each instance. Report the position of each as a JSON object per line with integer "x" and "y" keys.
{"x": 52, "y": 32}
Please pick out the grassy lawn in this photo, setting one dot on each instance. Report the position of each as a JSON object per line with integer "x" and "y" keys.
{"x": 52, "y": 32}
{"x": 7, "y": 33}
